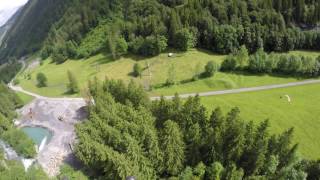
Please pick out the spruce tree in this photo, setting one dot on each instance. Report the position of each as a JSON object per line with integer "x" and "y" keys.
{"x": 73, "y": 86}
{"x": 173, "y": 147}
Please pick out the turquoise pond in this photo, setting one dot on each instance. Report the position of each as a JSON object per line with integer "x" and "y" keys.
{"x": 37, "y": 134}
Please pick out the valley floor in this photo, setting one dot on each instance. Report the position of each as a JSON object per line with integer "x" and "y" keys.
{"x": 256, "y": 104}
{"x": 185, "y": 66}
{"x": 302, "y": 113}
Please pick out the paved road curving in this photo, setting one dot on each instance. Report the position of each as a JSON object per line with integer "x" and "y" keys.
{"x": 209, "y": 93}
{"x": 37, "y": 96}
{"x": 241, "y": 90}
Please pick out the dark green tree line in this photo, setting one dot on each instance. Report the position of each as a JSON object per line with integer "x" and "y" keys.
{"x": 82, "y": 28}
{"x": 261, "y": 62}
{"x": 128, "y": 136}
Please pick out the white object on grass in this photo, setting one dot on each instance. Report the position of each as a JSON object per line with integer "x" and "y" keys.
{"x": 288, "y": 97}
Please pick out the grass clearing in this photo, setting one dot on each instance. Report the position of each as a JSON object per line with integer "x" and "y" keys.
{"x": 101, "y": 66}
{"x": 223, "y": 81}
{"x": 302, "y": 113}
{"x": 26, "y": 99}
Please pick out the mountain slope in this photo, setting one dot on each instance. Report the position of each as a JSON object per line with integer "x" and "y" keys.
{"x": 149, "y": 26}
{"x": 31, "y": 27}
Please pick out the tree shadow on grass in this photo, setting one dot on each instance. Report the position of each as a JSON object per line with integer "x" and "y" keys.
{"x": 277, "y": 75}
{"x": 68, "y": 93}
{"x": 166, "y": 85}
{"x": 103, "y": 60}
{"x": 131, "y": 74}
{"x": 137, "y": 57}
{"x": 143, "y": 70}
{"x": 41, "y": 86}
{"x": 208, "y": 52}
{"x": 107, "y": 58}
{"x": 242, "y": 73}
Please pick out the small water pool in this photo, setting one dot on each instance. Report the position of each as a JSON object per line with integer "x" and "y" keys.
{"x": 38, "y": 134}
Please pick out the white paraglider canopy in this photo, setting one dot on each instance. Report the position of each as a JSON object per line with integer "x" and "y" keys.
{"x": 288, "y": 97}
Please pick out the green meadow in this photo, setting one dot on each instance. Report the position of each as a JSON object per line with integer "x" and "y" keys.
{"x": 26, "y": 99}
{"x": 303, "y": 113}
{"x": 185, "y": 65}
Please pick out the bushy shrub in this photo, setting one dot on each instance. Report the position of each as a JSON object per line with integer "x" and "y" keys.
{"x": 42, "y": 80}
{"x": 137, "y": 70}
{"x": 210, "y": 69}
{"x": 229, "y": 64}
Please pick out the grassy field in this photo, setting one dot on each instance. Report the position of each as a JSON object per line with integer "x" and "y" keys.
{"x": 223, "y": 81}
{"x": 26, "y": 99}
{"x": 102, "y": 66}
{"x": 302, "y": 113}
{"x": 230, "y": 81}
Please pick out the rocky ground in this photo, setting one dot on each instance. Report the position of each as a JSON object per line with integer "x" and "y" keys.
{"x": 59, "y": 116}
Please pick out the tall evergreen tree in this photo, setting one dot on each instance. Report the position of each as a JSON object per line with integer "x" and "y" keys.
{"x": 173, "y": 147}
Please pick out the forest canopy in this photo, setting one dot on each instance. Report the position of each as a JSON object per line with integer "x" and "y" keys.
{"x": 127, "y": 135}
{"x": 81, "y": 28}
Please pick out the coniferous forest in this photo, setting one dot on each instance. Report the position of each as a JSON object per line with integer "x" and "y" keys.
{"x": 80, "y": 28}
{"x": 127, "y": 134}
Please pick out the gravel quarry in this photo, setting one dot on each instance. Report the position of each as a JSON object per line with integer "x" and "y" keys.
{"x": 59, "y": 116}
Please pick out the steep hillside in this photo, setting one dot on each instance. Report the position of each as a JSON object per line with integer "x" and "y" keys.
{"x": 8, "y": 23}
{"x": 31, "y": 27}
{"x": 80, "y": 28}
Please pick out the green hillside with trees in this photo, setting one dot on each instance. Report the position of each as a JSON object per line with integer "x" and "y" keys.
{"x": 112, "y": 51}
{"x": 126, "y": 134}
{"x": 80, "y": 28}
{"x": 185, "y": 72}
